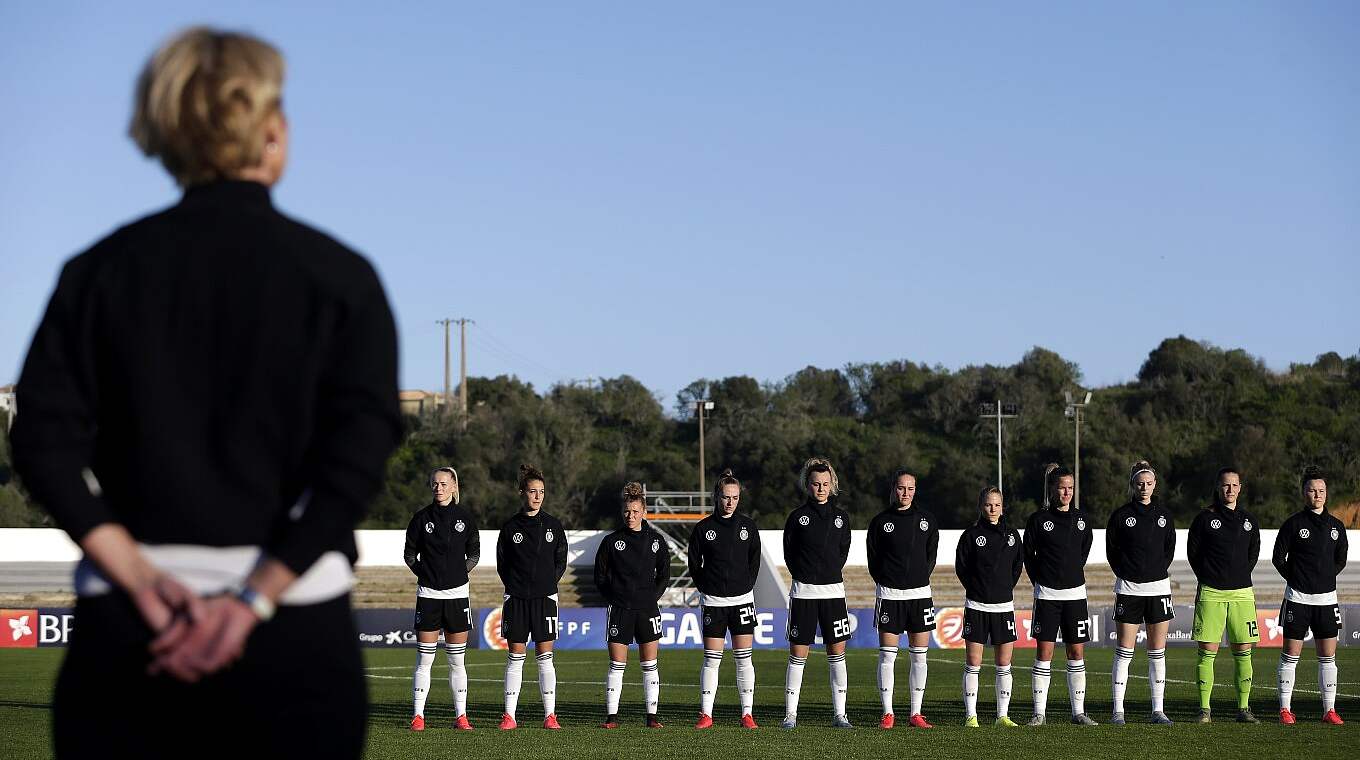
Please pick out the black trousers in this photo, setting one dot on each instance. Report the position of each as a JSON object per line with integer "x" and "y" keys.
{"x": 298, "y": 691}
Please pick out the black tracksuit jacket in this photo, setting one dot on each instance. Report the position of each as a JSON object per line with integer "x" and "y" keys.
{"x": 632, "y": 568}
{"x": 902, "y": 556}
{"x": 442, "y": 546}
{"x": 1310, "y": 563}
{"x": 219, "y": 349}
{"x": 1223, "y": 546}
{"x": 532, "y": 566}
{"x": 989, "y": 560}
{"x": 1057, "y": 544}
{"x": 815, "y": 546}
{"x": 724, "y": 555}
{"x": 1141, "y": 552}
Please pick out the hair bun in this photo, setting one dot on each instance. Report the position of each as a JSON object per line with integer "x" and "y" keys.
{"x": 1050, "y": 467}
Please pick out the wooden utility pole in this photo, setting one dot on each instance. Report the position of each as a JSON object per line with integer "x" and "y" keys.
{"x": 445, "y": 401}
{"x": 462, "y": 369}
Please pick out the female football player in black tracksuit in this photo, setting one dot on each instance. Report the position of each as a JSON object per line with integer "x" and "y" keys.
{"x": 1057, "y": 543}
{"x": 1310, "y": 551}
{"x": 902, "y": 541}
{"x": 442, "y": 547}
{"x": 632, "y": 569}
{"x": 816, "y": 545}
{"x": 531, "y": 556}
{"x": 1140, "y": 541}
{"x": 724, "y": 558}
{"x": 988, "y": 561}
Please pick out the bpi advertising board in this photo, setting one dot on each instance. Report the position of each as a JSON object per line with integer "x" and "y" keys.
{"x": 682, "y": 628}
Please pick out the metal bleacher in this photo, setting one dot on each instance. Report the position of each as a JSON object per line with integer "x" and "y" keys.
{"x": 674, "y": 514}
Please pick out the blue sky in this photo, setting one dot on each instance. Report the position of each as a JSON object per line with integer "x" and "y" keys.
{"x": 706, "y": 189}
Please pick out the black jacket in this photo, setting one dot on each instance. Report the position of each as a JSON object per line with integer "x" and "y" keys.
{"x": 632, "y": 568}
{"x": 1140, "y": 542}
{"x": 219, "y": 349}
{"x": 1057, "y": 544}
{"x": 817, "y": 542}
{"x": 901, "y": 546}
{"x": 988, "y": 561}
{"x": 1310, "y": 551}
{"x": 442, "y": 546}
{"x": 531, "y": 555}
{"x": 1223, "y": 545}
{"x": 724, "y": 555}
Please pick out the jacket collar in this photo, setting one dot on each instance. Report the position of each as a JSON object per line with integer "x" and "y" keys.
{"x": 228, "y": 193}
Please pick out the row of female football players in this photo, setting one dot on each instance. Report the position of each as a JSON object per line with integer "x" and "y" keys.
{"x": 632, "y": 568}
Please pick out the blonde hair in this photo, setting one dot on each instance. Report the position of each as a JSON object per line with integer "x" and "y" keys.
{"x": 453, "y": 474}
{"x": 818, "y": 464}
{"x": 202, "y": 101}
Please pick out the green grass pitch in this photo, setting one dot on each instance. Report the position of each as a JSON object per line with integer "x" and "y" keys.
{"x": 26, "y": 677}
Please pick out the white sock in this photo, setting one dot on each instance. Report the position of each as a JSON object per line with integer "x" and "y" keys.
{"x": 708, "y": 680}
{"x": 1039, "y": 678}
{"x": 1003, "y": 690}
{"x": 1119, "y": 676}
{"x": 547, "y": 683}
{"x": 839, "y": 682}
{"x": 746, "y": 679}
{"x": 917, "y": 677}
{"x": 613, "y": 687}
{"x": 970, "y": 690}
{"x": 1288, "y": 664}
{"x": 887, "y": 658}
{"x": 1157, "y": 676}
{"x": 514, "y": 678}
{"x": 1327, "y": 682}
{"x": 651, "y": 685}
{"x": 457, "y": 676}
{"x": 420, "y": 686}
{"x": 1076, "y": 685}
{"x": 793, "y": 684}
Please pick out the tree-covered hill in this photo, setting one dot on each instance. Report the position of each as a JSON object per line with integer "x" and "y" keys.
{"x": 1192, "y": 409}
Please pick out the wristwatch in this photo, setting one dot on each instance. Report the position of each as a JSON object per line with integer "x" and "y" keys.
{"x": 258, "y": 603}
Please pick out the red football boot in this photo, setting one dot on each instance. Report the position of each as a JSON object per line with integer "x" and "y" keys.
{"x": 1286, "y": 717}
{"x": 919, "y": 721}
{"x": 705, "y": 721}
{"x": 418, "y": 723}
{"x": 508, "y": 723}
{"x": 462, "y": 723}
{"x": 550, "y": 721}
{"x": 888, "y": 721}
{"x": 611, "y": 721}
{"x": 748, "y": 722}
{"x": 1332, "y": 718}
{"x": 653, "y": 722}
